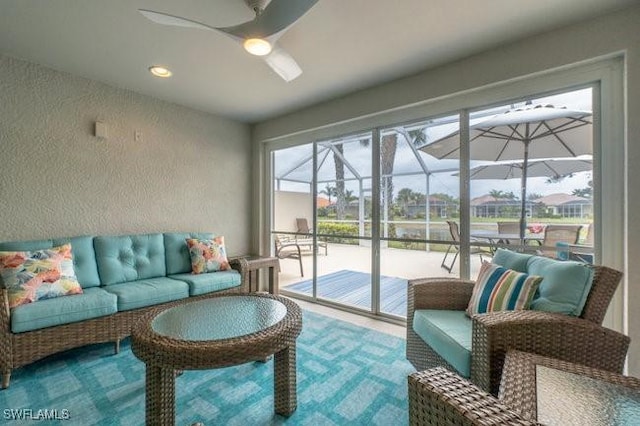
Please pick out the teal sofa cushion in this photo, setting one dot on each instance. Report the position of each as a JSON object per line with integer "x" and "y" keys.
{"x": 511, "y": 260}
{"x": 176, "y": 251}
{"x": 148, "y": 292}
{"x": 129, "y": 258}
{"x": 448, "y": 333}
{"x": 84, "y": 258}
{"x": 211, "y": 281}
{"x": 564, "y": 287}
{"x": 92, "y": 303}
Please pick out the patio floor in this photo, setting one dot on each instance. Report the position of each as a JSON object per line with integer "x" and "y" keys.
{"x": 345, "y": 265}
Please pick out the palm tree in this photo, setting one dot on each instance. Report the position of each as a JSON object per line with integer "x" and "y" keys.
{"x": 349, "y": 197}
{"x": 340, "y": 202}
{"x": 502, "y": 195}
{"x": 388, "y": 147}
{"x": 329, "y": 191}
{"x": 582, "y": 192}
{"x": 404, "y": 197}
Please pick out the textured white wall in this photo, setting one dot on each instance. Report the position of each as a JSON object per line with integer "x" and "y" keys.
{"x": 603, "y": 36}
{"x": 190, "y": 171}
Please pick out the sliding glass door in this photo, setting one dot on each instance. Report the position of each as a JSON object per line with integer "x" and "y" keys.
{"x": 355, "y": 217}
{"x": 419, "y": 197}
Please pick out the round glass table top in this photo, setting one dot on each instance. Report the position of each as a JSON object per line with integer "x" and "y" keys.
{"x": 219, "y": 318}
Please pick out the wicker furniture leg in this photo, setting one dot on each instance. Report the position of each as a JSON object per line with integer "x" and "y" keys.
{"x": 6, "y": 378}
{"x": 274, "y": 285}
{"x": 284, "y": 369}
{"x": 160, "y": 396}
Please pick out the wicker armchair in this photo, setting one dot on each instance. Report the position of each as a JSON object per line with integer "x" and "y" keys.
{"x": 575, "y": 339}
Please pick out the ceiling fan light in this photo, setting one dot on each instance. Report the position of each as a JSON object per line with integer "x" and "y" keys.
{"x": 257, "y": 46}
{"x": 160, "y": 71}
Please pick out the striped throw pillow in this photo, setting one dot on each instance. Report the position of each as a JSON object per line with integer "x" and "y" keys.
{"x": 501, "y": 289}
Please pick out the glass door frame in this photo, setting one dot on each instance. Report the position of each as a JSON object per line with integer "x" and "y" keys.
{"x": 607, "y": 79}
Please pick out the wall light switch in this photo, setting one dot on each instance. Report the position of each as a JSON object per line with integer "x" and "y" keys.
{"x": 137, "y": 136}
{"x": 101, "y": 130}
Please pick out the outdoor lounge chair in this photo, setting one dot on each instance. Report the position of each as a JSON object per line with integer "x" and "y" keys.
{"x": 302, "y": 227}
{"x": 288, "y": 249}
{"x": 293, "y": 248}
{"x": 554, "y": 234}
{"x": 454, "y": 231}
{"x": 304, "y": 237}
{"x": 509, "y": 228}
{"x": 583, "y": 252}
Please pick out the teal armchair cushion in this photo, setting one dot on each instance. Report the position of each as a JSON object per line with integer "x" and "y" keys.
{"x": 129, "y": 258}
{"x": 148, "y": 292}
{"x": 176, "y": 251}
{"x": 511, "y": 260}
{"x": 449, "y": 334}
{"x": 92, "y": 303}
{"x": 564, "y": 287}
{"x": 84, "y": 258}
{"x": 211, "y": 281}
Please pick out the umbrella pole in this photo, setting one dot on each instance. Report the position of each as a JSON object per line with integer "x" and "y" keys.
{"x": 523, "y": 187}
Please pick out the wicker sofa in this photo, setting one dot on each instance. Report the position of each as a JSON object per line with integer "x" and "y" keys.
{"x": 477, "y": 345}
{"x": 122, "y": 278}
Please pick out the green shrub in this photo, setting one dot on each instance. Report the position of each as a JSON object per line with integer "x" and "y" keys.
{"x": 339, "y": 230}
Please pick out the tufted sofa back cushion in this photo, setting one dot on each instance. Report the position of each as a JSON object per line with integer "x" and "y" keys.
{"x": 177, "y": 252}
{"x": 129, "y": 257}
{"x": 84, "y": 259}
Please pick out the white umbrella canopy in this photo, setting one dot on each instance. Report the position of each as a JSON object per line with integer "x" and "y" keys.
{"x": 539, "y": 168}
{"x": 535, "y": 131}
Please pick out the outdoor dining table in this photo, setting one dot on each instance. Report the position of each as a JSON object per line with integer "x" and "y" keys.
{"x": 496, "y": 239}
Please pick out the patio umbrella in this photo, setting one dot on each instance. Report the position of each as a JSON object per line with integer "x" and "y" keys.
{"x": 540, "y": 168}
{"x": 540, "y": 131}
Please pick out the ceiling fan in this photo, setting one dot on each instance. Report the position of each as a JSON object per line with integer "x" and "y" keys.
{"x": 258, "y": 36}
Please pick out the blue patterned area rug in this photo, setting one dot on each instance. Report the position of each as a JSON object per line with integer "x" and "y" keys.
{"x": 354, "y": 288}
{"x": 347, "y": 375}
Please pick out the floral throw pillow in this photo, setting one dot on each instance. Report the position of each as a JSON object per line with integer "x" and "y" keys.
{"x": 501, "y": 289}
{"x": 30, "y": 276}
{"x": 207, "y": 255}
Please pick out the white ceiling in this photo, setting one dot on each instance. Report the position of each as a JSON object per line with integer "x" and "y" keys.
{"x": 341, "y": 45}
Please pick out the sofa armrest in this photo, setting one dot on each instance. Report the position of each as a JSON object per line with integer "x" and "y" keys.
{"x": 553, "y": 335}
{"x": 439, "y": 293}
{"x": 241, "y": 265}
{"x": 439, "y": 397}
{"x": 6, "y": 340}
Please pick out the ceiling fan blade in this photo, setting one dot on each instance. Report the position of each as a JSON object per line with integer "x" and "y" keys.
{"x": 283, "y": 64}
{"x": 176, "y": 21}
{"x": 278, "y": 16}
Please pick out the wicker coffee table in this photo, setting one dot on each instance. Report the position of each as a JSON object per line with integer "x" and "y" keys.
{"x": 214, "y": 333}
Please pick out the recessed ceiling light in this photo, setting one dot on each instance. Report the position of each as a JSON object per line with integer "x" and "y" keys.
{"x": 160, "y": 71}
{"x": 257, "y": 46}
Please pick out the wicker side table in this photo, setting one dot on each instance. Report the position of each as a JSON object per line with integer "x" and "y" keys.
{"x": 553, "y": 391}
{"x": 247, "y": 328}
{"x": 254, "y": 264}
{"x": 439, "y": 397}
